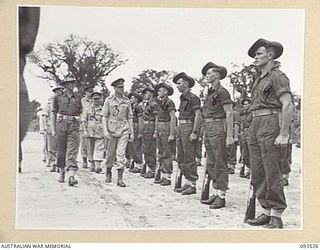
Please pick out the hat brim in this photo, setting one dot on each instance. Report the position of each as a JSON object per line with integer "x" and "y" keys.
{"x": 166, "y": 86}
{"x": 136, "y": 95}
{"x": 184, "y": 76}
{"x": 265, "y": 43}
{"x": 210, "y": 65}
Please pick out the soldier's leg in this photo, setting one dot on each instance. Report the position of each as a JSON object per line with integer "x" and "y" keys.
{"x": 90, "y": 152}
{"x": 271, "y": 158}
{"x": 45, "y": 148}
{"x": 149, "y": 150}
{"x": 73, "y": 143}
{"x": 137, "y": 154}
{"x": 120, "y": 155}
{"x": 61, "y": 149}
{"x": 180, "y": 160}
{"x": 51, "y": 150}
{"x": 190, "y": 167}
{"x": 110, "y": 156}
{"x": 83, "y": 149}
{"x": 166, "y": 166}
{"x": 98, "y": 154}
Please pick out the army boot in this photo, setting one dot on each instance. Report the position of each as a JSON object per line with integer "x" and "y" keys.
{"x": 120, "y": 182}
{"x": 108, "y": 175}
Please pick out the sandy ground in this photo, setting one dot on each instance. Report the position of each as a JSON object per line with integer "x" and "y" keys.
{"x": 43, "y": 203}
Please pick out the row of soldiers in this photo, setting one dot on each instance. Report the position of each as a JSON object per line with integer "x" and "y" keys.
{"x": 124, "y": 124}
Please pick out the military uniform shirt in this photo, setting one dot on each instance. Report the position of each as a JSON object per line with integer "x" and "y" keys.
{"x": 47, "y": 113}
{"x": 266, "y": 90}
{"x": 213, "y": 105}
{"x": 93, "y": 116}
{"x": 166, "y": 106}
{"x": 137, "y": 112}
{"x": 117, "y": 112}
{"x": 150, "y": 110}
{"x": 189, "y": 103}
{"x": 67, "y": 106}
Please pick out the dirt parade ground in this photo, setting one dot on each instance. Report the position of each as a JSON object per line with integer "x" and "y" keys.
{"x": 43, "y": 203}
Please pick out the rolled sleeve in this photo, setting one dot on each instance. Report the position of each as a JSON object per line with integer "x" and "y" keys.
{"x": 281, "y": 85}
{"x": 195, "y": 103}
{"x": 224, "y": 97}
{"x": 170, "y": 106}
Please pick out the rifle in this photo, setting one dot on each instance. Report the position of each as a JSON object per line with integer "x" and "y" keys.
{"x": 205, "y": 191}
{"x": 157, "y": 174}
{"x": 251, "y": 204}
{"x": 178, "y": 180}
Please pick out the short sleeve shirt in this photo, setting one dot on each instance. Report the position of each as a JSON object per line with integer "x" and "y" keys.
{"x": 189, "y": 103}
{"x": 165, "y": 107}
{"x": 65, "y": 105}
{"x": 266, "y": 90}
{"x": 150, "y": 110}
{"x": 93, "y": 116}
{"x": 137, "y": 111}
{"x": 213, "y": 105}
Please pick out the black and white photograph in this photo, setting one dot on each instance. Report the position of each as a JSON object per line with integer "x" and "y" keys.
{"x": 140, "y": 118}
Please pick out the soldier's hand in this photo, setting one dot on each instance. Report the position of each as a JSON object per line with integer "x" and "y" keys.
{"x": 281, "y": 140}
{"x": 53, "y": 132}
{"x": 193, "y": 137}
{"x": 171, "y": 138}
{"x": 139, "y": 136}
{"x": 106, "y": 134}
{"x": 131, "y": 137}
{"x": 85, "y": 134}
{"x": 229, "y": 141}
{"x": 155, "y": 135}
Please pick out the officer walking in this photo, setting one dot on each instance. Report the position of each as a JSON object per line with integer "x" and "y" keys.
{"x": 166, "y": 123}
{"x": 218, "y": 118}
{"x": 149, "y": 134}
{"x": 271, "y": 109}
{"x": 93, "y": 131}
{"x": 189, "y": 122}
{"x": 65, "y": 123}
{"x": 86, "y": 102}
{"x": 118, "y": 128}
{"x": 134, "y": 148}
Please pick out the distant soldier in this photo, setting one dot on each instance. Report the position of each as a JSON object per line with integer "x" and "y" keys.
{"x": 218, "y": 118}
{"x": 246, "y": 117}
{"x": 86, "y": 102}
{"x": 232, "y": 148}
{"x": 134, "y": 148}
{"x": 93, "y": 131}
{"x": 51, "y": 141}
{"x": 189, "y": 122}
{"x": 271, "y": 109}
{"x": 165, "y": 128}
{"x": 65, "y": 124}
{"x": 118, "y": 128}
{"x": 150, "y": 109}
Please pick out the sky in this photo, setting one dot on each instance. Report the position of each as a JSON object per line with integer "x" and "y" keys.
{"x": 178, "y": 39}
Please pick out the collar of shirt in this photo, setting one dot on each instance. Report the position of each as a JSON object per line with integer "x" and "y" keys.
{"x": 87, "y": 99}
{"x": 216, "y": 87}
{"x": 164, "y": 100}
{"x": 269, "y": 71}
{"x": 123, "y": 99}
{"x": 185, "y": 95}
{"x": 66, "y": 95}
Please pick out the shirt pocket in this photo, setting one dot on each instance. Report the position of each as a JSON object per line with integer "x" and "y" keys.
{"x": 123, "y": 110}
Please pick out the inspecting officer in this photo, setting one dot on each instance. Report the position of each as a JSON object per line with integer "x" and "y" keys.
{"x": 271, "y": 109}
{"x": 65, "y": 123}
{"x": 218, "y": 117}
{"x": 189, "y": 122}
{"x": 118, "y": 129}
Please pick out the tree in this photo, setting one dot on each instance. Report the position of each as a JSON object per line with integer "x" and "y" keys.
{"x": 150, "y": 77}
{"x": 88, "y": 61}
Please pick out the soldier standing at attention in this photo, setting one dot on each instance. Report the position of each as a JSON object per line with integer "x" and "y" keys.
{"x": 118, "y": 128}
{"x": 93, "y": 131}
{"x": 149, "y": 134}
{"x": 271, "y": 108}
{"x": 166, "y": 123}
{"x": 218, "y": 117}
{"x": 189, "y": 122}
{"x": 232, "y": 149}
{"x": 86, "y": 102}
{"x": 65, "y": 123}
{"x": 134, "y": 149}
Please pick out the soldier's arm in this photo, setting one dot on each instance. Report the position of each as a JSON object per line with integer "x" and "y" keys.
{"x": 105, "y": 113}
{"x": 129, "y": 117}
{"x": 229, "y": 120}
{"x": 55, "y": 108}
{"x": 172, "y": 122}
{"x": 286, "y": 114}
{"x": 197, "y": 120}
